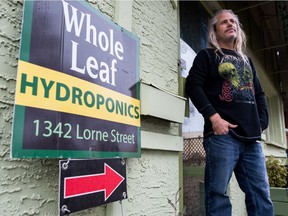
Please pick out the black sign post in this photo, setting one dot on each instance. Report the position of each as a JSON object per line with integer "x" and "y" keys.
{"x": 89, "y": 183}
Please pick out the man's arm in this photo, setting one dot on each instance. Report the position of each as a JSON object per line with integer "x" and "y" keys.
{"x": 195, "y": 84}
{"x": 260, "y": 100}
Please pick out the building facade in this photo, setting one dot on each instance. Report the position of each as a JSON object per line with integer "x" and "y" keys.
{"x": 154, "y": 181}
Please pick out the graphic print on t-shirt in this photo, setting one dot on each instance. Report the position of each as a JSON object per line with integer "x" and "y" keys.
{"x": 238, "y": 84}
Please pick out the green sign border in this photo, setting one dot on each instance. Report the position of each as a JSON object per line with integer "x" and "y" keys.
{"x": 17, "y": 150}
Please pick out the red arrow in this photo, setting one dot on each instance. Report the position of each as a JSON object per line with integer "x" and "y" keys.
{"x": 87, "y": 184}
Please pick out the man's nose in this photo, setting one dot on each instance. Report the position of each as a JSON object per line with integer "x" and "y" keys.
{"x": 232, "y": 22}
{"x": 229, "y": 23}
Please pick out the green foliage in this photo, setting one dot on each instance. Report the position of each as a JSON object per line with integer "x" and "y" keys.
{"x": 277, "y": 173}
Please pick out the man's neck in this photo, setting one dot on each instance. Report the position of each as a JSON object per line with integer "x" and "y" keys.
{"x": 229, "y": 46}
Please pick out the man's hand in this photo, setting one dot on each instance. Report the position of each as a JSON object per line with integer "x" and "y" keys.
{"x": 219, "y": 125}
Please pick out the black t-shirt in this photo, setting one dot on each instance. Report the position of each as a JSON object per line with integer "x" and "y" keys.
{"x": 226, "y": 84}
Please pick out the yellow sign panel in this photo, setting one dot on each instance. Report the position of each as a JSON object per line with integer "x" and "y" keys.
{"x": 48, "y": 89}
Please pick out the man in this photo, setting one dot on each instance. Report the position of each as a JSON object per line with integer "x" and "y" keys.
{"x": 224, "y": 87}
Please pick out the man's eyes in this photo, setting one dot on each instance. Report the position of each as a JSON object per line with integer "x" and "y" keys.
{"x": 225, "y": 21}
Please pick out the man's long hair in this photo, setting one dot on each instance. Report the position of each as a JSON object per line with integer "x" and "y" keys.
{"x": 240, "y": 41}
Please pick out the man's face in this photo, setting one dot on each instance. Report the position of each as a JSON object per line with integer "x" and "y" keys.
{"x": 226, "y": 28}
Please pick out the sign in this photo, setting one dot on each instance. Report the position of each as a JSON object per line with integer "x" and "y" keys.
{"x": 89, "y": 183}
{"x": 77, "y": 90}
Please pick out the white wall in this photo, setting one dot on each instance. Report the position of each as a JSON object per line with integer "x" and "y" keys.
{"x": 30, "y": 187}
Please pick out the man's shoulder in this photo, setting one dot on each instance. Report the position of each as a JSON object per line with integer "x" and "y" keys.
{"x": 207, "y": 54}
{"x": 206, "y": 51}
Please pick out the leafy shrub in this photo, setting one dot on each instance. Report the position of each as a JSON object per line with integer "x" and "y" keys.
{"x": 277, "y": 173}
